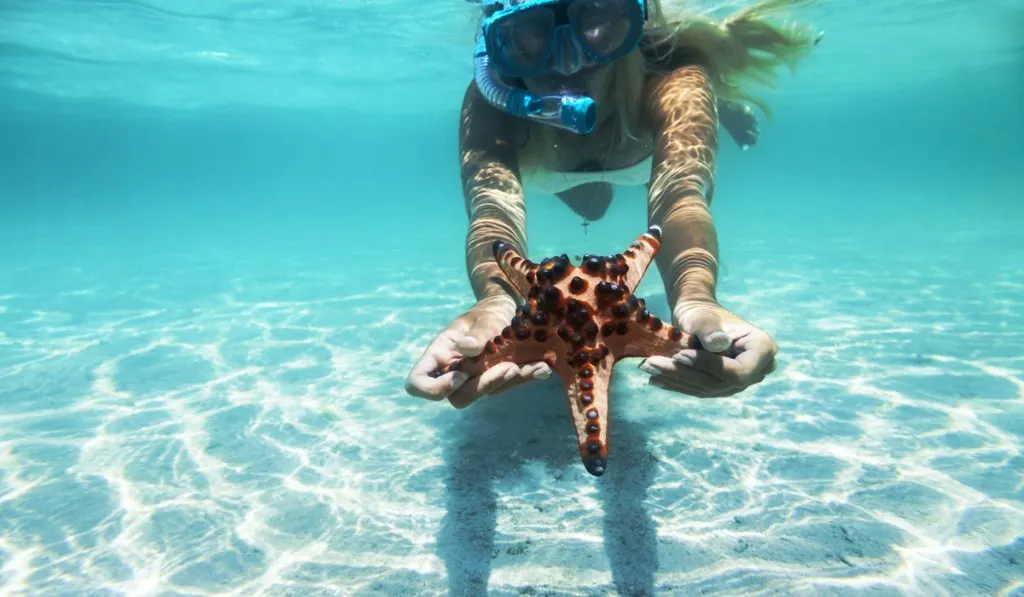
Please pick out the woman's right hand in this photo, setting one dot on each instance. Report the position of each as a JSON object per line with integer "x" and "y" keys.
{"x": 466, "y": 337}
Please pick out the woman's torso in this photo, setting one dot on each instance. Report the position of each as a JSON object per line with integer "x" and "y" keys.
{"x": 600, "y": 150}
{"x": 573, "y": 160}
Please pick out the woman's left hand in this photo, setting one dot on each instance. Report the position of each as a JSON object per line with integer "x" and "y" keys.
{"x": 740, "y": 122}
{"x": 733, "y": 354}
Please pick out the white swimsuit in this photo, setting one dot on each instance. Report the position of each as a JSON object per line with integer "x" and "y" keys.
{"x": 547, "y": 181}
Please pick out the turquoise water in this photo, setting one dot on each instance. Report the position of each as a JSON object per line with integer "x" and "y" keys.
{"x": 229, "y": 228}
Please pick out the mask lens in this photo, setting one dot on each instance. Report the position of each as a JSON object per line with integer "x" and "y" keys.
{"x": 524, "y": 38}
{"x": 603, "y": 26}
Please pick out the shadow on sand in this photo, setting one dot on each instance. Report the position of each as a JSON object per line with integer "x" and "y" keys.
{"x": 495, "y": 437}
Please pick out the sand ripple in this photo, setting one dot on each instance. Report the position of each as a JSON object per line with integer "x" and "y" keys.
{"x": 241, "y": 429}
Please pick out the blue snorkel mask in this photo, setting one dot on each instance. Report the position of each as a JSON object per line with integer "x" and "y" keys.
{"x": 533, "y": 38}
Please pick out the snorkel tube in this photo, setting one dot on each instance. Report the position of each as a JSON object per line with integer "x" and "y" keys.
{"x": 576, "y": 113}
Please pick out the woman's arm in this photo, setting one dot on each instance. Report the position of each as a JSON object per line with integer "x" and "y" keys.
{"x": 488, "y": 142}
{"x": 735, "y": 354}
{"x": 682, "y": 113}
{"x": 488, "y": 151}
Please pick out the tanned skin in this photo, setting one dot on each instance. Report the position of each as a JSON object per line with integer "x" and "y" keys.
{"x": 682, "y": 111}
{"x": 488, "y": 156}
{"x": 681, "y": 114}
{"x": 680, "y": 130}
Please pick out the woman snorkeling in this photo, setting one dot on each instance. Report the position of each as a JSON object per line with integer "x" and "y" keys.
{"x": 573, "y": 96}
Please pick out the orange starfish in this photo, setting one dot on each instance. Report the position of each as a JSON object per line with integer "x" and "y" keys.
{"x": 580, "y": 321}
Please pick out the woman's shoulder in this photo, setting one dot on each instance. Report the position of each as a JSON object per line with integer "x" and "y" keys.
{"x": 666, "y": 53}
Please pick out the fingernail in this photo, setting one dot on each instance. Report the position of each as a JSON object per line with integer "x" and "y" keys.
{"x": 717, "y": 342}
{"x": 685, "y": 357}
{"x": 648, "y": 368}
{"x": 458, "y": 379}
{"x": 544, "y": 374}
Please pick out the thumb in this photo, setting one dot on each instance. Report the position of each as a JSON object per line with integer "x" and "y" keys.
{"x": 480, "y": 331}
{"x": 706, "y": 326}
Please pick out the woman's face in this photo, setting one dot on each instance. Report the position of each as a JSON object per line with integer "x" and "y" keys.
{"x": 589, "y": 80}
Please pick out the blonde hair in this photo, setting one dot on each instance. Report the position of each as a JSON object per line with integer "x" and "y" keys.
{"x": 745, "y": 47}
{"x": 741, "y": 49}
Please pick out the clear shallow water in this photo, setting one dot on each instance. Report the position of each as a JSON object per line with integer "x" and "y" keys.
{"x": 204, "y": 424}
{"x": 184, "y": 56}
{"x": 205, "y": 322}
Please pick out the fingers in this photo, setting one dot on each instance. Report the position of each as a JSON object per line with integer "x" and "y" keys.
{"x": 424, "y": 386}
{"x": 465, "y": 337}
{"x": 497, "y": 379}
{"x": 755, "y": 353}
{"x": 672, "y": 374}
{"x": 676, "y": 385}
{"x": 750, "y": 358}
{"x": 708, "y": 375}
{"x": 471, "y": 343}
{"x": 419, "y": 383}
{"x": 706, "y": 325}
{"x": 539, "y": 370}
{"x": 470, "y": 346}
{"x": 488, "y": 381}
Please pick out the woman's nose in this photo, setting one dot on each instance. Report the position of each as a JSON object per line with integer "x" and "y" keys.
{"x": 566, "y": 56}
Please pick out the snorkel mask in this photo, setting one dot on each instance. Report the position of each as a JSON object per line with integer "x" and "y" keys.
{"x": 531, "y": 38}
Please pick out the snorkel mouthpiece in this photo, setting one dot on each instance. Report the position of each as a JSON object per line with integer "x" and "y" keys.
{"x": 576, "y": 113}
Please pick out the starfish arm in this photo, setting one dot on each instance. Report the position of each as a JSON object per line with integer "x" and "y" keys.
{"x": 647, "y": 336}
{"x": 520, "y": 271}
{"x": 586, "y": 389}
{"x": 639, "y": 255}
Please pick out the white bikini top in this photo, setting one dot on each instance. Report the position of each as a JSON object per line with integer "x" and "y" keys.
{"x": 551, "y": 182}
